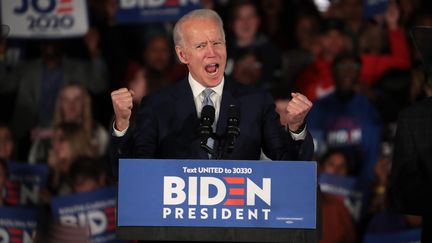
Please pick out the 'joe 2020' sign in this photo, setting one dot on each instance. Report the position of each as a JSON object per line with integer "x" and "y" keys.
{"x": 45, "y": 18}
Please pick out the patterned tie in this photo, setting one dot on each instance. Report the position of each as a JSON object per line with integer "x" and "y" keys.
{"x": 207, "y": 93}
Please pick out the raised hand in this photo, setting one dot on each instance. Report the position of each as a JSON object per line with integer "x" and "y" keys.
{"x": 122, "y": 104}
{"x": 297, "y": 109}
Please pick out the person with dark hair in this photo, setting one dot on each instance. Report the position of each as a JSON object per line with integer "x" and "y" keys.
{"x": 247, "y": 67}
{"x": 347, "y": 119}
{"x": 245, "y": 24}
{"x": 336, "y": 162}
{"x": 86, "y": 174}
{"x": 7, "y": 144}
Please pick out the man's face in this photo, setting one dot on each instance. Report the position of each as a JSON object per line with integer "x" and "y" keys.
{"x": 346, "y": 74}
{"x": 203, "y": 50}
{"x": 246, "y": 22}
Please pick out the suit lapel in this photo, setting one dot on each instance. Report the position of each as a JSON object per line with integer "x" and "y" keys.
{"x": 186, "y": 113}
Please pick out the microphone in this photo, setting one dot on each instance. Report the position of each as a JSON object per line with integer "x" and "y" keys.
{"x": 233, "y": 129}
{"x": 206, "y": 129}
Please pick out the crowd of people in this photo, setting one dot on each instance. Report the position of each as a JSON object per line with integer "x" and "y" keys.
{"x": 359, "y": 72}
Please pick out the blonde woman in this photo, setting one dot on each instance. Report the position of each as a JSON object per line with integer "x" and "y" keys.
{"x": 74, "y": 105}
{"x": 69, "y": 142}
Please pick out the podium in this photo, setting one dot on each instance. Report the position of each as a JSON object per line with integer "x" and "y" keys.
{"x": 217, "y": 201}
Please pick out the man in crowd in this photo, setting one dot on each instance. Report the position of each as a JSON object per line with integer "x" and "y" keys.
{"x": 167, "y": 123}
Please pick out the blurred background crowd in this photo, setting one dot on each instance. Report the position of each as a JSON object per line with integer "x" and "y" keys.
{"x": 359, "y": 72}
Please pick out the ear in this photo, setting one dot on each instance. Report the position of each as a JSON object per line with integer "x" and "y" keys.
{"x": 181, "y": 55}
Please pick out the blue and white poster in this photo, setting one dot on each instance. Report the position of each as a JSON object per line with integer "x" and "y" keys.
{"x": 25, "y": 183}
{"x": 17, "y": 225}
{"x": 136, "y": 11}
{"x": 45, "y": 18}
{"x": 94, "y": 209}
{"x": 206, "y": 193}
{"x": 349, "y": 188}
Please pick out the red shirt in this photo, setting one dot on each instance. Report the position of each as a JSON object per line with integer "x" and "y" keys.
{"x": 317, "y": 80}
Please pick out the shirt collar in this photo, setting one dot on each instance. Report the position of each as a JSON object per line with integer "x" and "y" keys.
{"x": 198, "y": 88}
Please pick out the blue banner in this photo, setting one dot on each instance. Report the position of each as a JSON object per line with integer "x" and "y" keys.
{"x": 24, "y": 183}
{"x": 349, "y": 188}
{"x": 407, "y": 236}
{"x": 372, "y": 8}
{"x": 136, "y": 11}
{"x": 17, "y": 224}
{"x": 206, "y": 193}
{"x": 95, "y": 209}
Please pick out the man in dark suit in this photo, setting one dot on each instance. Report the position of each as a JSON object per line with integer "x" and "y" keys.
{"x": 168, "y": 121}
{"x": 410, "y": 188}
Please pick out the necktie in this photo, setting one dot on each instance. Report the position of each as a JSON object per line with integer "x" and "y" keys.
{"x": 207, "y": 93}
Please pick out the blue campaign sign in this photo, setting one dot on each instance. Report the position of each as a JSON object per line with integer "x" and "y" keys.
{"x": 17, "y": 224}
{"x": 24, "y": 183}
{"x": 413, "y": 235}
{"x": 372, "y": 8}
{"x": 350, "y": 188}
{"x": 206, "y": 193}
{"x": 95, "y": 209}
{"x": 136, "y": 11}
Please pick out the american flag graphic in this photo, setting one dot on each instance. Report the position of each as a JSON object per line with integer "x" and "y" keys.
{"x": 64, "y": 6}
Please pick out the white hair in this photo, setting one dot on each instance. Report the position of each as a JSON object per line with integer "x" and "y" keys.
{"x": 199, "y": 14}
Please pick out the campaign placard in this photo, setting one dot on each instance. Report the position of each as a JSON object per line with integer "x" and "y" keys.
{"x": 207, "y": 193}
{"x": 349, "y": 188}
{"x": 45, "y": 18}
{"x": 24, "y": 183}
{"x": 17, "y": 224}
{"x": 136, "y": 11}
{"x": 95, "y": 209}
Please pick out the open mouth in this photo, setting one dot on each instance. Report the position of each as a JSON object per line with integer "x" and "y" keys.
{"x": 212, "y": 69}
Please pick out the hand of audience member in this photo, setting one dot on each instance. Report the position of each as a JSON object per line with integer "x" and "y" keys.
{"x": 122, "y": 103}
{"x": 297, "y": 109}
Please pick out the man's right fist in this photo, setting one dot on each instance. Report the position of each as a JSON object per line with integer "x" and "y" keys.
{"x": 122, "y": 104}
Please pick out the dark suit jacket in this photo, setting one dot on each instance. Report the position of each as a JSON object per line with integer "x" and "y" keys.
{"x": 410, "y": 188}
{"x": 167, "y": 127}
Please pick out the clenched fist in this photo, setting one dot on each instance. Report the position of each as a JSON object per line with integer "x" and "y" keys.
{"x": 122, "y": 104}
{"x": 296, "y": 111}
